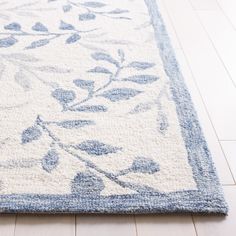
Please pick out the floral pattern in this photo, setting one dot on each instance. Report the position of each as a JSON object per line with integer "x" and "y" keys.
{"x": 87, "y": 100}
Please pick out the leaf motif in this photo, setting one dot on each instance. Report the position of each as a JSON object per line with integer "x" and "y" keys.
{"x": 39, "y": 27}
{"x": 142, "y": 107}
{"x": 122, "y": 18}
{"x": 100, "y": 56}
{"x": 22, "y": 79}
{"x": 13, "y": 26}
{"x": 67, "y": 8}
{"x": 74, "y": 124}
{"x": 2, "y": 69}
{"x": 64, "y": 96}
{"x": 30, "y": 134}
{"x": 4, "y": 17}
{"x": 50, "y": 161}
{"x": 118, "y": 11}
{"x": 38, "y": 43}
{"x": 66, "y": 26}
{"x": 84, "y": 84}
{"x": 121, "y": 55}
{"x": 163, "y": 122}
{"x": 91, "y": 108}
{"x": 73, "y": 38}
{"x": 87, "y": 184}
{"x": 94, "y": 4}
{"x": 144, "y": 165}
{"x": 91, "y": 47}
{"x": 87, "y": 16}
{"x": 99, "y": 69}
{"x": 94, "y": 147}
{"x": 7, "y": 42}
{"x": 21, "y": 57}
{"x": 116, "y": 42}
{"x": 141, "y": 65}
{"x": 142, "y": 79}
{"x": 118, "y": 94}
{"x": 19, "y": 163}
{"x": 52, "y": 69}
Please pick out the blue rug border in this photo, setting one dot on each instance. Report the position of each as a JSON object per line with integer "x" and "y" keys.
{"x": 207, "y": 199}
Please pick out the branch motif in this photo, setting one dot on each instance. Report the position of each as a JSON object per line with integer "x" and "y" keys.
{"x": 95, "y": 147}
{"x": 91, "y": 12}
{"x": 14, "y": 31}
{"x": 27, "y": 65}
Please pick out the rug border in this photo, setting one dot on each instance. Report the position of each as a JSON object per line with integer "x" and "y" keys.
{"x": 207, "y": 199}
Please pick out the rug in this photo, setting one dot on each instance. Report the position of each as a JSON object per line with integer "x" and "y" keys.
{"x": 95, "y": 116}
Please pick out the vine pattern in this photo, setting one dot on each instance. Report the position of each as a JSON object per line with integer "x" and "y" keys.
{"x": 94, "y": 148}
{"x": 89, "y": 182}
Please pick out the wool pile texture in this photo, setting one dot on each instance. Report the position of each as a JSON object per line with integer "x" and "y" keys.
{"x": 95, "y": 116}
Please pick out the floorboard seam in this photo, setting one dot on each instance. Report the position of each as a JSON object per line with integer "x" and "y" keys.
{"x": 195, "y": 228}
{"x": 199, "y": 92}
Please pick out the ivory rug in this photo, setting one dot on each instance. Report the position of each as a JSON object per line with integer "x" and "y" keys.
{"x": 94, "y": 114}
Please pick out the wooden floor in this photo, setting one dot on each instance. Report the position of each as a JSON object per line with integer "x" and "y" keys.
{"x": 203, "y": 33}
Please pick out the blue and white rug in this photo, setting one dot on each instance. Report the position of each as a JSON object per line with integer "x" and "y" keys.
{"x": 94, "y": 114}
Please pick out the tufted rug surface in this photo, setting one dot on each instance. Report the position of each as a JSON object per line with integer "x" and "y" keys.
{"x": 94, "y": 113}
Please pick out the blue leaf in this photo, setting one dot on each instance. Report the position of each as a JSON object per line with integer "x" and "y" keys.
{"x": 99, "y": 69}
{"x": 13, "y": 26}
{"x": 39, "y": 27}
{"x": 118, "y": 94}
{"x": 7, "y": 42}
{"x": 39, "y": 43}
{"x": 118, "y": 11}
{"x": 22, "y": 57}
{"x": 163, "y": 122}
{"x": 142, "y": 79}
{"x": 73, "y": 38}
{"x": 100, "y": 56}
{"x": 52, "y": 69}
{"x": 50, "y": 161}
{"x": 66, "y": 8}
{"x": 30, "y": 134}
{"x": 142, "y": 107}
{"x": 94, "y": 4}
{"x": 94, "y": 147}
{"x": 65, "y": 26}
{"x": 87, "y": 16}
{"x": 122, "y": 18}
{"x": 64, "y": 96}
{"x": 87, "y": 184}
{"x": 91, "y": 108}
{"x": 141, "y": 65}
{"x": 74, "y": 124}
{"x": 144, "y": 165}
{"x": 84, "y": 84}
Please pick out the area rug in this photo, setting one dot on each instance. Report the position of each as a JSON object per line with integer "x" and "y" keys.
{"x": 95, "y": 116}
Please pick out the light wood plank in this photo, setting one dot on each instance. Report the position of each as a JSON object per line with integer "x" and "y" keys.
{"x": 216, "y": 87}
{"x": 229, "y": 148}
{"x": 101, "y": 225}
{"x": 205, "y": 4}
{"x": 171, "y": 32}
{"x": 7, "y": 225}
{"x": 165, "y": 226}
{"x": 229, "y": 7}
{"x": 223, "y": 37}
{"x": 218, "y": 225}
{"x": 211, "y": 138}
{"x": 32, "y": 225}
